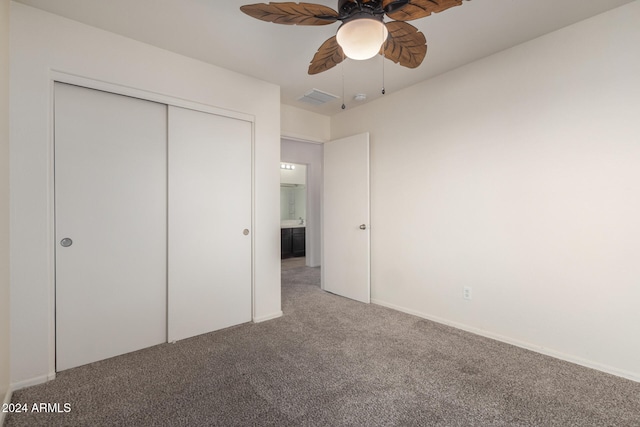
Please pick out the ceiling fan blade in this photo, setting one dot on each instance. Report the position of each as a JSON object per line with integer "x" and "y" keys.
{"x": 328, "y": 56}
{"x": 405, "y": 45}
{"x": 415, "y": 9}
{"x": 391, "y": 5}
{"x": 291, "y": 13}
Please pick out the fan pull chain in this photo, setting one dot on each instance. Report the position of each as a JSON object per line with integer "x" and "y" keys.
{"x": 383, "y": 61}
{"x": 383, "y": 90}
{"x": 342, "y": 67}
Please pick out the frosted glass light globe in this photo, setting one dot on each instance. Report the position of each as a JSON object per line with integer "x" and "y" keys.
{"x": 362, "y": 38}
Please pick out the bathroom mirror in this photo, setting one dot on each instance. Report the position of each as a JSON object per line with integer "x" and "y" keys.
{"x": 293, "y": 193}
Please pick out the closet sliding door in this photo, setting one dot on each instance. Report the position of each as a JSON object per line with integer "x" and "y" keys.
{"x": 209, "y": 260}
{"x": 153, "y": 224}
{"x": 111, "y": 222}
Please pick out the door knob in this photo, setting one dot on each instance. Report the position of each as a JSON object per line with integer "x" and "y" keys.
{"x": 363, "y": 227}
{"x": 66, "y": 242}
{"x": 245, "y": 231}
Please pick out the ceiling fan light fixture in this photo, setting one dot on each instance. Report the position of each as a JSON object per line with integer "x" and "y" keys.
{"x": 362, "y": 38}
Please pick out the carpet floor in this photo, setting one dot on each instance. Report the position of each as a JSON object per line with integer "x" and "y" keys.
{"x": 290, "y": 263}
{"x": 330, "y": 361}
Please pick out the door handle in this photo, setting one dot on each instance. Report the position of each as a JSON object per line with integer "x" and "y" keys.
{"x": 66, "y": 242}
{"x": 363, "y": 227}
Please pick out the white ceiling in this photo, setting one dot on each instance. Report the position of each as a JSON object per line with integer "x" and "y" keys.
{"x": 215, "y": 31}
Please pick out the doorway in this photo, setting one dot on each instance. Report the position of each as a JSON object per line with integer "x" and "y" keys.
{"x": 293, "y": 204}
{"x": 308, "y": 155}
{"x": 341, "y": 172}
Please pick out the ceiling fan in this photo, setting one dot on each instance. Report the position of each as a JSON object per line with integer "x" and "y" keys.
{"x": 363, "y": 32}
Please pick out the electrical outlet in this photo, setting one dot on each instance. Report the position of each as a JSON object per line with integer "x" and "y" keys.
{"x": 466, "y": 292}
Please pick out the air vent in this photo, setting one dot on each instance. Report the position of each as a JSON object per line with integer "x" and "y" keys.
{"x": 317, "y": 97}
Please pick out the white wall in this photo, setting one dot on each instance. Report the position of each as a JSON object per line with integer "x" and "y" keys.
{"x": 311, "y": 155}
{"x": 4, "y": 202}
{"x": 299, "y": 124}
{"x": 517, "y": 175}
{"x": 42, "y": 42}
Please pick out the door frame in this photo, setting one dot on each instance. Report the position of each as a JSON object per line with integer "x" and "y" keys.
{"x": 308, "y": 241}
{"x": 313, "y": 237}
{"x": 89, "y": 83}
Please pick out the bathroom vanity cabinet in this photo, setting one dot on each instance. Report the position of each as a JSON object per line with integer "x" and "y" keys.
{"x": 292, "y": 242}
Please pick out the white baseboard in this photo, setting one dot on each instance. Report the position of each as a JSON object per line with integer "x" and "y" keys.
{"x": 6, "y": 401}
{"x": 33, "y": 381}
{"x": 538, "y": 349}
{"x": 267, "y": 317}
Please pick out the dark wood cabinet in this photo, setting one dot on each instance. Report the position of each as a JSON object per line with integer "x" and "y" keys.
{"x": 285, "y": 243}
{"x": 292, "y": 242}
{"x": 297, "y": 241}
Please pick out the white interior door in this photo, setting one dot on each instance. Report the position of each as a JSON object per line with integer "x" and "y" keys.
{"x": 346, "y": 259}
{"x": 110, "y": 201}
{"x": 209, "y": 222}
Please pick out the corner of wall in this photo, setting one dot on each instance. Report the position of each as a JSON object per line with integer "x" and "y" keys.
{"x": 271, "y": 316}
{"x": 6, "y": 401}
{"x": 5, "y": 389}
{"x": 299, "y": 124}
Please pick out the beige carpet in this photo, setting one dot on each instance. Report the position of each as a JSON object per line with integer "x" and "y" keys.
{"x": 330, "y": 361}
{"x": 289, "y": 263}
